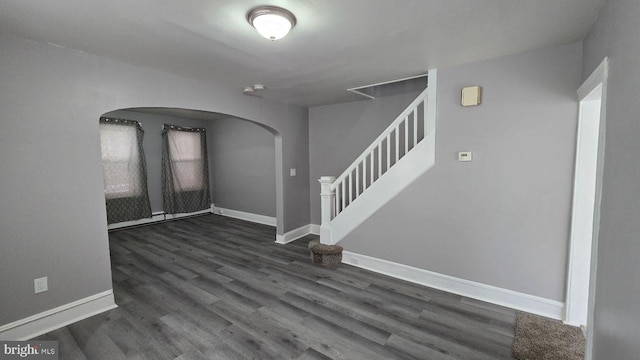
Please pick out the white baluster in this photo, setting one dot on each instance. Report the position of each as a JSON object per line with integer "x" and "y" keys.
{"x": 338, "y": 197}
{"x": 379, "y": 160}
{"x": 397, "y": 130}
{"x": 424, "y": 114}
{"x": 357, "y": 180}
{"x": 415, "y": 126}
{"x": 373, "y": 152}
{"x": 406, "y": 135}
{"x": 350, "y": 189}
{"x": 364, "y": 174}
{"x": 344, "y": 195}
{"x": 388, "y": 151}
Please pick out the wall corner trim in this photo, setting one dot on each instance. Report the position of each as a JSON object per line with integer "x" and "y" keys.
{"x": 488, "y": 293}
{"x": 46, "y": 321}
{"x": 294, "y": 234}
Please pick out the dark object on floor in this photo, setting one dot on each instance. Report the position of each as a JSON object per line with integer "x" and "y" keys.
{"x": 325, "y": 255}
{"x": 539, "y": 338}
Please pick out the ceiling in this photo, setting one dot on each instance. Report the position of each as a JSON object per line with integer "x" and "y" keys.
{"x": 336, "y": 45}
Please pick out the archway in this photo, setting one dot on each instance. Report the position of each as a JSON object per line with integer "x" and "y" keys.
{"x": 252, "y": 159}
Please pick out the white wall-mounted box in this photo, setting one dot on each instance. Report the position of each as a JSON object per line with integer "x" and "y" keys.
{"x": 471, "y": 95}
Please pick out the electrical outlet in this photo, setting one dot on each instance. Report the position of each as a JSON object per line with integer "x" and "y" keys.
{"x": 40, "y": 285}
{"x": 465, "y": 156}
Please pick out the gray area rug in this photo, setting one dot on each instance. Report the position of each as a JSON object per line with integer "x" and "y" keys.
{"x": 539, "y": 338}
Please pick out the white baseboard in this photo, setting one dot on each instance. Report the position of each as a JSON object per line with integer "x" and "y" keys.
{"x": 294, "y": 234}
{"x": 488, "y": 293}
{"x": 155, "y": 217}
{"x": 181, "y": 215}
{"x": 56, "y": 318}
{"x": 314, "y": 229}
{"x": 236, "y": 214}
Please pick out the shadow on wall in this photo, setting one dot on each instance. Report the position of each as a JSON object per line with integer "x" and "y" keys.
{"x": 245, "y": 171}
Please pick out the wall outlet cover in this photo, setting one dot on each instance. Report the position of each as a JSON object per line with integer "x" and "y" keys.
{"x": 40, "y": 285}
{"x": 465, "y": 156}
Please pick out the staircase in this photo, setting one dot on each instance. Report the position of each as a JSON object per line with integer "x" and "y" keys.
{"x": 403, "y": 152}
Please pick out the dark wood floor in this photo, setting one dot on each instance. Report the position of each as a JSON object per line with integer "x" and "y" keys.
{"x": 211, "y": 287}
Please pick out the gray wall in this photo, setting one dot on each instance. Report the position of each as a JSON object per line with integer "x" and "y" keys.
{"x": 242, "y": 157}
{"x": 152, "y": 144}
{"x": 503, "y": 219}
{"x": 340, "y": 133}
{"x": 617, "y": 310}
{"x": 52, "y": 212}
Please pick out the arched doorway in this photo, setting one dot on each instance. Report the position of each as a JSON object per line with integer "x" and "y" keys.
{"x": 244, "y": 165}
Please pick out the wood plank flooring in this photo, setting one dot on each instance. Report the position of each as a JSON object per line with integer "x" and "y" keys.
{"x": 211, "y": 287}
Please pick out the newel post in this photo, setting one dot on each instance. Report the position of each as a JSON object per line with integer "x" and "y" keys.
{"x": 327, "y": 200}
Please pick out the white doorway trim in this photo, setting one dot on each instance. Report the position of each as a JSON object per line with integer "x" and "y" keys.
{"x": 585, "y": 219}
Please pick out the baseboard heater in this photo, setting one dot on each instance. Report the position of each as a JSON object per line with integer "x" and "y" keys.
{"x": 156, "y": 217}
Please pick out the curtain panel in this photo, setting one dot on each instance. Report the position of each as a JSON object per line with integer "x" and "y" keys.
{"x": 185, "y": 170}
{"x": 124, "y": 170}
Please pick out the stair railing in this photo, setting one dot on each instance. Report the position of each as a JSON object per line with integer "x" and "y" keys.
{"x": 402, "y": 135}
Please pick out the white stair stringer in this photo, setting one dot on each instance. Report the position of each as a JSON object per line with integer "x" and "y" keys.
{"x": 417, "y": 161}
{"x": 402, "y": 153}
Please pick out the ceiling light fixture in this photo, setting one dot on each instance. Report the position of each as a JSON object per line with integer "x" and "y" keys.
{"x": 272, "y": 22}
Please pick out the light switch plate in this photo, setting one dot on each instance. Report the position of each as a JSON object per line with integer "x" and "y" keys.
{"x": 40, "y": 285}
{"x": 292, "y": 172}
{"x": 465, "y": 156}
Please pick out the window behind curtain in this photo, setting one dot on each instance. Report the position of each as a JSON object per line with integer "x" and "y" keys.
{"x": 186, "y": 151}
{"x": 185, "y": 172}
{"x": 124, "y": 170}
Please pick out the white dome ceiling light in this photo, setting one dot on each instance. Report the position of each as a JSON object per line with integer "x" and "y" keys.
{"x": 272, "y": 22}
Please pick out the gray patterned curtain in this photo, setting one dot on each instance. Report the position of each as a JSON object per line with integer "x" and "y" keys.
{"x": 185, "y": 173}
{"x": 124, "y": 170}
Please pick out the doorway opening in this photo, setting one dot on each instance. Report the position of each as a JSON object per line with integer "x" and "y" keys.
{"x": 244, "y": 163}
{"x": 587, "y": 192}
